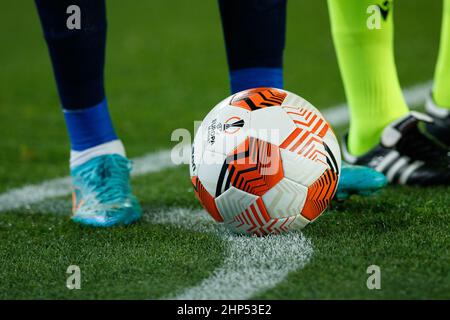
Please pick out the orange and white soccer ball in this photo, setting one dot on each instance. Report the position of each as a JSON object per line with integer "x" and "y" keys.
{"x": 265, "y": 161}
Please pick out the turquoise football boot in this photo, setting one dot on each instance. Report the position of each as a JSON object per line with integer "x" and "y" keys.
{"x": 102, "y": 195}
{"x": 359, "y": 180}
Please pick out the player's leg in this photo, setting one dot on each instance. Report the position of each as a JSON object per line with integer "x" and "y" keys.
{"x": 438, "y": 104}
{"x": 366, "y": 60}
{"x": 254, "y": 33}
{"x": 99, "y": 168}
{"x": 383, "y": 133}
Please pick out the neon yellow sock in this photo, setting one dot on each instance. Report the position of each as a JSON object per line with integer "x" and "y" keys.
{"x": 366, "y": 61}
{"x": 441, "y": 90}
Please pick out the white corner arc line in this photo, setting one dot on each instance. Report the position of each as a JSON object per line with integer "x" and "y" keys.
{"x": 160, "y": 160}
{"x": 252, "y": 264}
{"x": 415, "y": 96}
{"x": 30, "y": 194}
{"x": 266, "y": 262}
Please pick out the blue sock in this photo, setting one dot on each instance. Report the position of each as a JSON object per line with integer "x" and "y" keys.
{"x": 89, "y": 127}
{"x": 243, "y": 79}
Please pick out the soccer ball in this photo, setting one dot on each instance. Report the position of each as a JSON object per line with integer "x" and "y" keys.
{"x": 265, "y": 161}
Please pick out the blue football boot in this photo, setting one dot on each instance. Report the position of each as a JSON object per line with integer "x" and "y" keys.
{"x": 102, "y": 195}
{"x": 359, "y": 180}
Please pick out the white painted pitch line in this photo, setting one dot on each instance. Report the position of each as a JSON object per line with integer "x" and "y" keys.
{"x": 30, "y": 194}
{"x": 415, "y": 97}
{"x": 265, "y": 262}
{"x": 252, "y": 264}
{"x": 157, "y": 161}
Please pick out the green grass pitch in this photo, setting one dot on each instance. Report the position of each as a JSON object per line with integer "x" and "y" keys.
{"x": 166, "y": 67}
